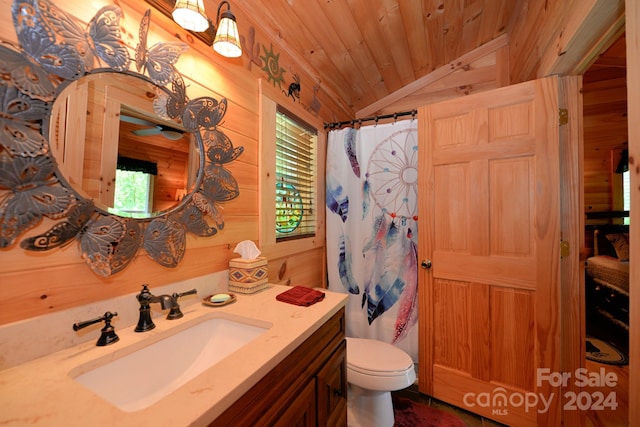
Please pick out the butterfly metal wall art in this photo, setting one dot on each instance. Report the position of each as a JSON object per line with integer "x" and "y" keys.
{"x": 54, "y": 50}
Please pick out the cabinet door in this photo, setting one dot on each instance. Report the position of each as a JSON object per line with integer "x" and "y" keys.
{"x": 332, "y": 390}
{"x": 302, "y": 411}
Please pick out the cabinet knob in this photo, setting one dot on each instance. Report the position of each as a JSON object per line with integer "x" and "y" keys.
{"x": 337, "y": 392}
{"x": 426, "y": 264}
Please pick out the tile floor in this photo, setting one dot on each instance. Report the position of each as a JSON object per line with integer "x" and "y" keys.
{"x": 470, "y": 419}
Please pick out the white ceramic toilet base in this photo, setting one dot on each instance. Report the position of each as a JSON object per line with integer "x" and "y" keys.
{"x": 369, "y": 408}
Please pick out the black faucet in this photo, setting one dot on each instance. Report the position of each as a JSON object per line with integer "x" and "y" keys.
{"x": 145, "y": 323}
{"x": 108, "y": 334}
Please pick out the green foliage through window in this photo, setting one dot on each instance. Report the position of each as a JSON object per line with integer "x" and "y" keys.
{"x": 133, "y": 192}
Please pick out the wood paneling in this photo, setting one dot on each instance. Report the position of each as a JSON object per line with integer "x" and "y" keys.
{"x": 361, "y": 51}
{"x": 605, "y": 128}
{"x": 38, "y": 283}
{"x": 558, "y": 36}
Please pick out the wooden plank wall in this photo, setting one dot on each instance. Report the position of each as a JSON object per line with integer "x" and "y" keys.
{"x": 605, "y": 135}
{"x": 562, "y": 37}
{"x": 33, "y": 284}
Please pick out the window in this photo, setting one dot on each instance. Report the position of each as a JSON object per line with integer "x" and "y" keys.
{"x": 626, "y": 193}
{"x": 295, "y": 177}
{"x": 134, "y": 186}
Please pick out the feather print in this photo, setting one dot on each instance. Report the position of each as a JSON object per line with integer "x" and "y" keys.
{"x": 408, "y": 304}
{"x": 336, "y": 201}
{"x": 390, "y": 284}
{"x": 350, "y": 149}
{"x": 344, "y": 267}
{"x": 383, "y": 238}
{"x": 366, "y": 197}
{"x": 373, "y": 252}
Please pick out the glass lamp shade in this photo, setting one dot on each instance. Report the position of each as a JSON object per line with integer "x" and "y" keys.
{"x": 189, "y": 14}
{"x": 227, "y": 41}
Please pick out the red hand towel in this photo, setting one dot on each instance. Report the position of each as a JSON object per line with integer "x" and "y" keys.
{"x": 299, "y": 295}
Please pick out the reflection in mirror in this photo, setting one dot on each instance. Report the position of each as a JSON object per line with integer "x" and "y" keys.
{"x": 113, "y": 148}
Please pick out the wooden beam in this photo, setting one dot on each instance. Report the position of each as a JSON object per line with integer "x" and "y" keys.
{"x": 588, "y": 32}
{"x": 461, "y": 62}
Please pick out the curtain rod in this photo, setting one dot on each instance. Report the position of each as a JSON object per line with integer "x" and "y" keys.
{"x": 368, "y": 119}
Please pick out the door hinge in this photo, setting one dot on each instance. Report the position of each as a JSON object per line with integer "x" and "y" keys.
{"x": 563, "y": 116}
{"x": 564, "y": 249}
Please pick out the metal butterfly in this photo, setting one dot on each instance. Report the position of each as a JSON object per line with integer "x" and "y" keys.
{"x": 204, "y": 112}
{"x": 194, "y": 220}
{"x": 101, "y": 39}
{"x": 64, "y": 232}
{"x": 165, "y": 240}
{"x": 208, "y": 207}
{"x": 34, "y": 192}
{"x": 220, "y": 150}
{"x": 177, "y": 101}
{"x": 219, "y": 147}
{"x": 19, "y": 131}
{"x": 213, "y": 191}
{"x": 158, "y": 60}
{"x": 29, "y": 77}
{"x": 108, "y": 243}
{"x": 38, "y": 40}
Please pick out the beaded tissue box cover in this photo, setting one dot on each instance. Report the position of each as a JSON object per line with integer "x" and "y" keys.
{"x": 248, "y": 275}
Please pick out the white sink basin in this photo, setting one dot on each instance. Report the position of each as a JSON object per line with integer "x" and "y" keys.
{"x": 147, "y": 374}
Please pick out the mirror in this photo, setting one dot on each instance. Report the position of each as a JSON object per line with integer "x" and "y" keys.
{"x": 155, "y": 158}
{"x": 50, "y": 151}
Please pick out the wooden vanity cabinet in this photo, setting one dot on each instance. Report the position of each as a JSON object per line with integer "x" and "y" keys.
{"x": 308, "y": 388}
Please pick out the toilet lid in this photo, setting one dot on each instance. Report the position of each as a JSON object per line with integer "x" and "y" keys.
{"x": 365, "y": 355}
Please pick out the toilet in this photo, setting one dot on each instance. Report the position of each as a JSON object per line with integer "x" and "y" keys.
{"x": 374, "y": 370}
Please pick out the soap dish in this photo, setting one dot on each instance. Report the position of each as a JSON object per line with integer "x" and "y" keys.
{"x": 207, "y": 300}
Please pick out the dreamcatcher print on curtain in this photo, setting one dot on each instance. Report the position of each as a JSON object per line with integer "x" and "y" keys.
{"x": 371, "y": 224}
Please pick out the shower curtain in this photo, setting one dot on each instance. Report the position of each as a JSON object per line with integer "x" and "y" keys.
{"x": 371, "y": 224}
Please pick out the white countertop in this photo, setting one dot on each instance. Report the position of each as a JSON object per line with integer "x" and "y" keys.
{"x": 43, "y": 392}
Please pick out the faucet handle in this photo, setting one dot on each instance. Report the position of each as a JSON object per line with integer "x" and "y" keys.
{"x": 175, "y": 312}
{"x": 144, "y": 296}
{"x": 107, "y": 335}
{"x": 182, "y": 294}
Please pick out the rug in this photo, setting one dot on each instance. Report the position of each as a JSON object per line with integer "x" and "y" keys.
{"x": 409, "y": 413}
{"x": 601, "y": 352}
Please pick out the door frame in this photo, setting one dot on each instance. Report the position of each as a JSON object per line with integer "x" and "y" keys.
{"x": 632, "y": 15}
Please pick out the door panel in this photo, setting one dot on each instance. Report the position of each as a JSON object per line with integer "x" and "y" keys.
{"x": 489, "y": 306}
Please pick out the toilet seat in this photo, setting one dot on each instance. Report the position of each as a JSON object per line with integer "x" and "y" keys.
{"x": 376, "y": 365}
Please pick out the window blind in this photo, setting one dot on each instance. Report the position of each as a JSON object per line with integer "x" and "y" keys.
{"x": 296, "y": 176}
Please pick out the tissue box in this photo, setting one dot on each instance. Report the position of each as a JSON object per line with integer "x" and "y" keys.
{"x": 248, "y": 275}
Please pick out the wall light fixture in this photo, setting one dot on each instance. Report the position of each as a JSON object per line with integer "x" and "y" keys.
{"x": 190, "y": 15}
{"x": 227, "y": 41}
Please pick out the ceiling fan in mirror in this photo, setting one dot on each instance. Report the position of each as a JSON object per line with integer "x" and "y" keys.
{"x": 151, "y": 128}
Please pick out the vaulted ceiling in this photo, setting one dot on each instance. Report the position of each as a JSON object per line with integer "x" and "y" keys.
{"x": 365, "y": 50}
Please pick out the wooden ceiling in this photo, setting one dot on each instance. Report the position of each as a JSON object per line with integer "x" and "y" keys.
{"x": 364, "y": 50}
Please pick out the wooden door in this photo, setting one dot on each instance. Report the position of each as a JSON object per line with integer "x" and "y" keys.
{"x": 490, "y": 225}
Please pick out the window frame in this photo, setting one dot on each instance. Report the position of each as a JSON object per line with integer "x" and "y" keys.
{"x": 267, "y": 180}
{"x": 308, "y": 231}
